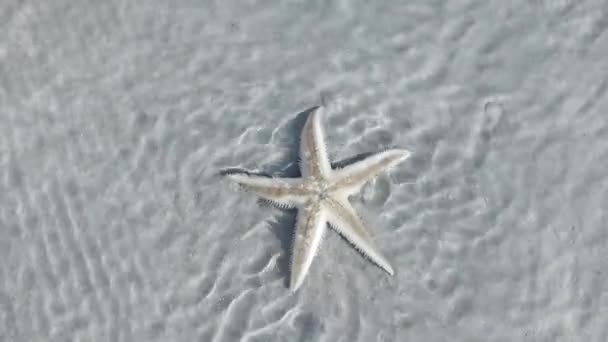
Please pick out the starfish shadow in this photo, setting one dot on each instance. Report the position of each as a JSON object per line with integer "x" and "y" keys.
{"x": 291, "y": 159}
{"x": 294, "y": 127}
{"x": 351, "y": 160}
{"x": 283, "y": 229}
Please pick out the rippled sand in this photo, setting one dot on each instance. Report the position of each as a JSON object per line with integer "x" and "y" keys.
{"x": 116, "y": 117}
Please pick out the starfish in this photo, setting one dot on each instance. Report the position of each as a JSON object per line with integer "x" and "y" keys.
{"x": 321, "y": 196}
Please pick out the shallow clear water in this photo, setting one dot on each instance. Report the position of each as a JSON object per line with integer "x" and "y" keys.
{"x": 116, "y": 117}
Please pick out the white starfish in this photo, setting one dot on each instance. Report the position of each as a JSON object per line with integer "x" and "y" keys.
{"x": 321, "y": 196}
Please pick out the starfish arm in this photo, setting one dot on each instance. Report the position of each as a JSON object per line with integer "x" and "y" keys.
{"x": 314, "y": 161}
{"x": 351, "y": 178}
{"x": 343, "y": 218}
{"x": 310, "y": 225}
{"x": 282, "y": 192}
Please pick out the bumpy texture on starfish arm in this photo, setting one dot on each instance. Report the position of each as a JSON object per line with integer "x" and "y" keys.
{"x": 314, "y": 161}
{"x": 351, "y": 178}
{"x": 321, "y": 196}
{"x": 283, "y": 192}
{"x": 310, "y": 225}
{"x": 343, "y": 218}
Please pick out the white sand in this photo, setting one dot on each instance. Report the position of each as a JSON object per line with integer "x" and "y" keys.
{"x": 116, "y": 116}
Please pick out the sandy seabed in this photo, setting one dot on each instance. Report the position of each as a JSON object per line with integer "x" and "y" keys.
{"x": 116, "y": 117}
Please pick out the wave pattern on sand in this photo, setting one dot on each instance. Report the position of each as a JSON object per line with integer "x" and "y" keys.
{"x": 115, "y": 118}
